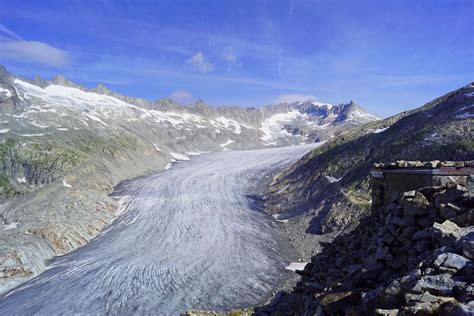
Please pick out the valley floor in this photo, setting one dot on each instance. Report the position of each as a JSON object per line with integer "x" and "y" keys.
{"x": 188, "y": 238}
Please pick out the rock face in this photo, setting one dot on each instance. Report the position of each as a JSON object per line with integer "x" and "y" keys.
{"x": 403, "y": 258}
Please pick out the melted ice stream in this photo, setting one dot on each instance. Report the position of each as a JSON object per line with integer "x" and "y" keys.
{"x": 189, "y": 238}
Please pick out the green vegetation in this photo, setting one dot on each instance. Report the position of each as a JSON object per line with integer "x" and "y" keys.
{"x": 6, "y": 189}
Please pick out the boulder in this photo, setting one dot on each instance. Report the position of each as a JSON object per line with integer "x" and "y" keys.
{"x": 449, "y": 195}
{"x": 456, "y": 308}
{"x": 335, "y": 303}
{"x": 446, "y": 211}
{"x": 441, "y": 284}
{"x": 465, "y": 219}
{"x": 467, "y": 245}
{"x": 414, "y": 164}
{"x": 447, "y": 164}
{"x": 401, "y": 163}
{"x": 446, "y": 230}
{"x": 386, "y": 312}
{"x": 418, "y": 205}
{"x": 450, "y": 260}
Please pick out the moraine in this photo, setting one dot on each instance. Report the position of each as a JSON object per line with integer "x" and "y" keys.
{"x": 188, "y": 238}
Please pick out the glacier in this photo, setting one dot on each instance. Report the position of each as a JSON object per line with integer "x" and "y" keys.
{"x": 190, "y": 237}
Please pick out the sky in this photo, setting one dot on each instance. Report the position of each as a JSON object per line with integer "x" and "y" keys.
{"x": 387, "y": 56}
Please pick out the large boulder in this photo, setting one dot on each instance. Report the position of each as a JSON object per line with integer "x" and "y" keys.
{"x": 451, "y": 261}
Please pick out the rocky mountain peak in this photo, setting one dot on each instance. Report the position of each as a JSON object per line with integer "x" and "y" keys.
{"x": 40, "y": 81}
{"x": 201, "y": 107}
{"x": 62, "y": 81}
{"x": 102, "y": 89}
{"x": 4, "y": 72}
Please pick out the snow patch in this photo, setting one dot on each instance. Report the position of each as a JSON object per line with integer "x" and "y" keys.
{"x": 179, "y": 156}
{"x": 223, "y": 145}
{"x": 168, "y": 166}
{"x": 67, "y": 185}
{"x": 380, "y": 130}
{"x": 465, "y": 108}
{"x": 226, "y": 123}
{"x": 95, "y": 118}
{"x": 431, "y": 137}
{"x": 32, "y": 135}
{"x": 62, "y": 129}
{"x": 7, "y": 92}
{"x": 273, "y": 127}
{"x": 21, "y": 180}
{"x": 332, "y": 179}
{"x": 196, "y": 153}
{"x": 283, "y": 189}
{"x": 470, "y": 94}
{"x": 361, "y": 117}
{"x": 296, "y": 266}
{"x": 34, "y": 123}
{"x": 10, "y": 226}
{"x": 465, "y": 115}
{"x": 5, "y": 130}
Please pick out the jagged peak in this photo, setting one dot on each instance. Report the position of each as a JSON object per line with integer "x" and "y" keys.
{"x": 3, "y": 71}
{"x": 102, "y": 89}
{"x": 40, "y": 81}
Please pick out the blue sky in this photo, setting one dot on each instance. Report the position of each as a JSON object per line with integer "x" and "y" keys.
{"x": 388, "y": 56}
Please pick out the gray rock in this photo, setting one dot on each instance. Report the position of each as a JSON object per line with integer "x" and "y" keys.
{"x": 431, "y": 164}
{"x": 441, "y": 284}
{"x": 449, "y": 195}
{"x": 386, "y": 312}
{"x": 450, "y": 260}
{"x": 447, "y": 212}
{"x": 467, "y": 244}
{"x": 457, "y": 309}
{"x": 446, "y": 229}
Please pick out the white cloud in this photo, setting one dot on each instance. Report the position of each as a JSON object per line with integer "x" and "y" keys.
{"x": 37, "y": 52}
{"x": 181, "y": 96}
{"x": 230, "y": 58}
{"x": 199, "y": 62}
{"x": 291, "y": 98}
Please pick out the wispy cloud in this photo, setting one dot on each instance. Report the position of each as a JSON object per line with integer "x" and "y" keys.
{"x": 291, "y": 98}
{"x": 200, "y": 63}
{"x": 9, "y": 34}
{"x": 31, "y": 51}
{"x": 230, "y": 57}
{"x": 181, "y": 96}
{"x": 14, "y": 47}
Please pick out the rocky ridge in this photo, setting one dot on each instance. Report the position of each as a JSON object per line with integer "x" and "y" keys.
{"x": 411, "y": 256}
{"x": 328, "y": 190}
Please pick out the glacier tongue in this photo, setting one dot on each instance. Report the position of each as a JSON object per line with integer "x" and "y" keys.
{"x": 186, "y": 238}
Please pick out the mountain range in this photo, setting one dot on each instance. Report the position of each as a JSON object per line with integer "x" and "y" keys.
{"x": 64, "y": 147}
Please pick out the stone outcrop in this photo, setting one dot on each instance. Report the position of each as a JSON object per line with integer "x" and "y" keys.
{"x": 391, "y": 178}
{"x": 414, "y": 255}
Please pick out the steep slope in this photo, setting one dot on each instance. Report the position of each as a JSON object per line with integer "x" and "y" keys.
{"x": 328, "y": 190}
{"x": 64, "y": 147}
{"x": 412, "y": 256}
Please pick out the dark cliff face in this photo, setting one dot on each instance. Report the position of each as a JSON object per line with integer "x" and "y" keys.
{"x": 442, "y": 129}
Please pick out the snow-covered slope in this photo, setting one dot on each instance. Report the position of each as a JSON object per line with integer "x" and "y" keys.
{"x": 41, "y": 108}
